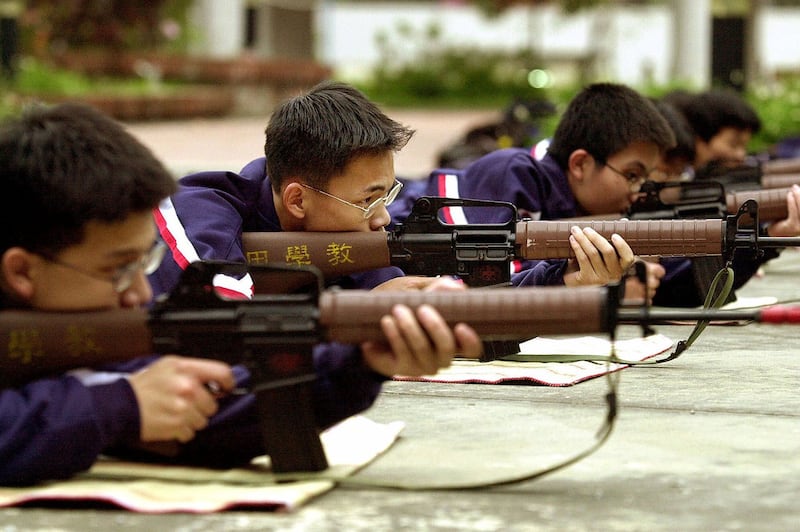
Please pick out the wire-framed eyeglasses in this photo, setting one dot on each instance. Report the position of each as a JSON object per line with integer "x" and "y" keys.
{"x": 370, "y": 209}
{"x": 122, "y": 278}
{"x": 635, "y": 178}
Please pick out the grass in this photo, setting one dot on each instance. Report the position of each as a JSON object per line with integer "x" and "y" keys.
{"x": 36, "y": 80}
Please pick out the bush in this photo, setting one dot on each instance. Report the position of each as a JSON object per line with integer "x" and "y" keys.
{"x": 443, "y": 75}
{"x": 778, "y": 106}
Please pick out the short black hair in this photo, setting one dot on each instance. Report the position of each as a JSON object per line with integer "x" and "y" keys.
{"x": 62, "y": 166}
{"x": 314, "y": 136}
{"x": 606, "y": 118}
{"x": 710, "y": 111}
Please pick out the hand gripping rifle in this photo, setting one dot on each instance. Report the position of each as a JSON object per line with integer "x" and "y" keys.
{"x": 273, "y": 334}
{"x": 481, "y": 254}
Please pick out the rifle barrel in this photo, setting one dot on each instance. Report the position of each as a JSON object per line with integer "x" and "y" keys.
{"x": 776, "y": 314}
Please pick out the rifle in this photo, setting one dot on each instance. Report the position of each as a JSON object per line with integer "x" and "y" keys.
{"x": 481, "y": 253}
{"x": 767, "y": 175}
{"x": 272, "y": 335}
{"x": 786, "y": 165}
{"x": 703, "y": 199}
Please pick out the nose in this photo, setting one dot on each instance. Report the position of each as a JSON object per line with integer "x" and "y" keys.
{"x": 380, "y": 219}
{"x": 138, "y": 293}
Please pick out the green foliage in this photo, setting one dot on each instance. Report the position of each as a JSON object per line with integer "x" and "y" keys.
{"x": 447, "y": 75}
{"x": 35, "y": 78}
{"x": 778, "y": 106}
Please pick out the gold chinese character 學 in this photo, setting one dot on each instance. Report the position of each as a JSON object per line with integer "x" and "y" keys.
{"x": 257, "y": 257}
{"x": 25, "y": 345}
{"x": 81, "y": 341}
{"x": 338, "y": 253}
{"x": 298, "y": 255}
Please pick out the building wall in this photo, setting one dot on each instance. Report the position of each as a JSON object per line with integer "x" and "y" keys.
{"x": 633, "y": 44}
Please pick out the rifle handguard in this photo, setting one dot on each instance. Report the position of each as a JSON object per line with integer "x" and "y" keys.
{"x": 780, "y": 180}
{"x": 782, "y": 166}
{"x": 666, "y": 238}
{"x": 352, "y": 316}
{"x": 771, "y": 202}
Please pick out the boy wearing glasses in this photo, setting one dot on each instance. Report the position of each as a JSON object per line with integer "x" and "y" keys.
{"x": 607, "y": 143}
{"x": 78, "y": 235}
{"x": 329, "y": 166}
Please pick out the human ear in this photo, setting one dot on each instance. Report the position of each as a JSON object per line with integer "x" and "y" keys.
{"x": 578, "y": 165}
{"x": 294, "y": 200}
{"x": 16, "y": 267}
